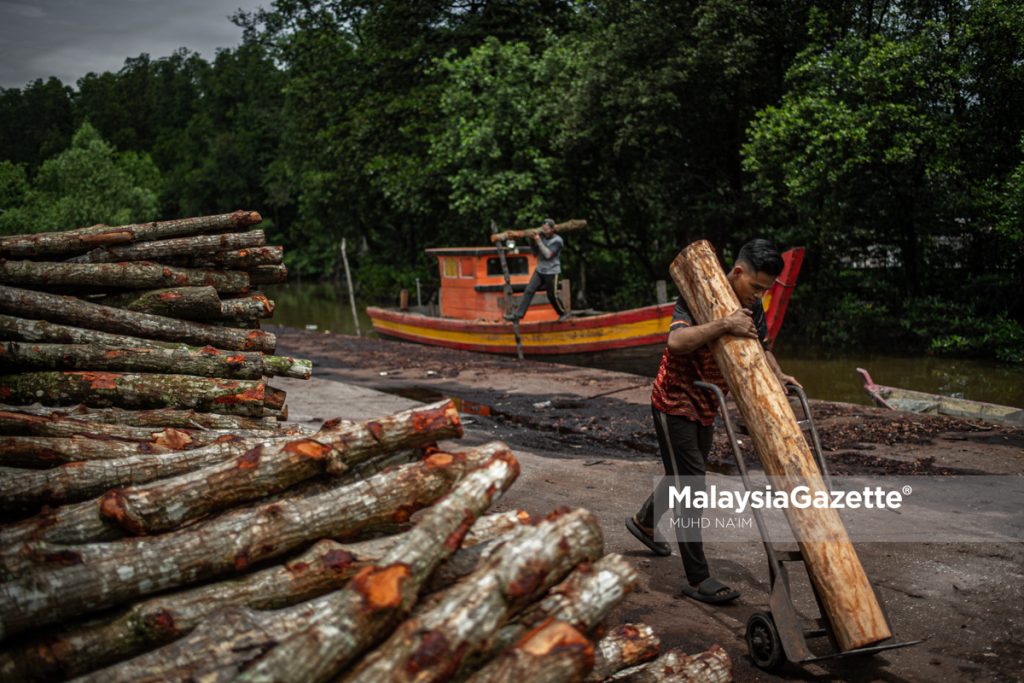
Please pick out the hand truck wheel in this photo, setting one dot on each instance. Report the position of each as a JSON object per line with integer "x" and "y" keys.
{"x": 763, "y": 642}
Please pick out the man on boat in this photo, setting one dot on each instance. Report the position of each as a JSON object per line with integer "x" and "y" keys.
{"x": 547, "y": 246}
{"x": 684, "y": 414}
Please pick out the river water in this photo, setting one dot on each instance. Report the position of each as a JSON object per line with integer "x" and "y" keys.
{"x": 826, "y": 376}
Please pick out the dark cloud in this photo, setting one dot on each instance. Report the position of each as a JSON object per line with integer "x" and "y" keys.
{"x": 69, "y": 38}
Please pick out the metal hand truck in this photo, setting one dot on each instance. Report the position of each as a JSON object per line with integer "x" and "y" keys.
{"x": 778, "y": 636}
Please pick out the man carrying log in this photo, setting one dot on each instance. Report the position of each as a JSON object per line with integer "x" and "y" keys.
{"x": 546, "y": 245}
{"x": 684, "y": 414}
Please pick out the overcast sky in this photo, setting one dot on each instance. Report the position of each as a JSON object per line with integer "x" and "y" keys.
{"x": 69, "y": 38}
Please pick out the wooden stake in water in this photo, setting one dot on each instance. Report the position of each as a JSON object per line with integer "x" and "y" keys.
{"x": 351, "y": 292}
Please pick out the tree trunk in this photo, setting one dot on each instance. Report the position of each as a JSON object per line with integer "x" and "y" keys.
{"x": 27, "y": 490}
{"x": 832, "y": 562}
{"x": 72, "y": 311}
{"x": 253, "y": 306}
{"x": 582, "y": 600}
{"x": 126, "y": 275}
{"x": 268, "y": 275}
{"x": 170, "y": 503}
{"x": 340, "y": 627}
{"x": 133, "y": 390}
{"x": 238, "y": 259}
{"x": 84, "y": 239}
{"x": 675, "y": 666}
{"x": 55, "y": 424}
{"x": 163, "y": 417}
{"x": 165, "y": 249}
{"x": 625, "y": 645}
{"x": 47, "y": 451}
{"x": 207, "y": 362}
{"x": 568, "y": 226}
{"x": 554, "y": 652}
{"x": 231, "y": 542}
{"x": 433, "y": 644}
{"x": 191, "y": 303}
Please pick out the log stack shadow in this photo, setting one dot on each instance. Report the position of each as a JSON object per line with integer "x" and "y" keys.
{"x": 161, "y": 523}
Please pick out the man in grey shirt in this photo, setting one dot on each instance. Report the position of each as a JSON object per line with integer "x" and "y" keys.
{"x": 546, "y": 245}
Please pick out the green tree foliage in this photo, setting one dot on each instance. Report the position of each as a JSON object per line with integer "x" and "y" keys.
{"x": 88, "y": 183}
{"x": 886, "y": 137}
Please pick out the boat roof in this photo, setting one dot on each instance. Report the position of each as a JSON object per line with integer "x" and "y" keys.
{"x": 474, "y": 251}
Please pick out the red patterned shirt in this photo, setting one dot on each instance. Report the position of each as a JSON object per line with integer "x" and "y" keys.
{"x": 674, "y": 392}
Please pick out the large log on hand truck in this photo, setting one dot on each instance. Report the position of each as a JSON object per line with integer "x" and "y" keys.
{"x": 848, "y": 600}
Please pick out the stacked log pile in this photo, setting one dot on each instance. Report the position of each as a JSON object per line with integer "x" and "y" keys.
{"x": 360, "y": 552}
{"x": 150, "y": 316}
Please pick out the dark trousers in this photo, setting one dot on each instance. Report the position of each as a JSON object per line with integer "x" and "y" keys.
{"x": 550, "y": 283}
{"x": 685, "y": 445}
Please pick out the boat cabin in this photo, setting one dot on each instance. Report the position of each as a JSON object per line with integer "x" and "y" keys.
{"x": 473, "y": 285}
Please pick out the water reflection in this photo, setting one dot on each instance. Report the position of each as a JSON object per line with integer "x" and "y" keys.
{"x": 825, "y": 376}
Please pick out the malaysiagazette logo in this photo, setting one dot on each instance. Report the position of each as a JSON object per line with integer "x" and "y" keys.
{"x": 799, "y": 497}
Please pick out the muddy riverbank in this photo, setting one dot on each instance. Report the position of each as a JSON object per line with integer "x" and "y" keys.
{"x": 584, "y": 438}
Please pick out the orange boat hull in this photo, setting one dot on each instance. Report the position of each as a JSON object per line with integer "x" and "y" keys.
{"x": 625, "y": 329}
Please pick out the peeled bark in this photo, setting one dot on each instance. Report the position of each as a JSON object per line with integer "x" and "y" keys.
{"x": 190, "y": 303}
{"x": 83, "y": 239}
{"x": 182, "y": 246}
{"x": 113, "y": 573}
{"x": 207, "y": 362}
{"x": 675, "y": 666}
{"x": 832, "y": 563}
{"x": 170, "y": 503}
{"x": 134, "y": 390}
{"x": 127, "y": 275}
{"x": 554, "y": 652}
{"x": 72, "y": 311}
{"x": 159, "y": 418}
{"x": 568, "y": 226}
{"x": 625, "y": 646}
{"x": 268, "y": 275}
{"x": 253, "y": 306}
{"x": 433, "y": 644}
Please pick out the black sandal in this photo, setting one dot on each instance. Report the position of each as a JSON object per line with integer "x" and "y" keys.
{"x": 647, "y": 538}
{"x": 711, "y": 591}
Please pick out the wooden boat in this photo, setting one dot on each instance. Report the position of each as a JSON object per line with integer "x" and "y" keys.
{"x": 895, "y": 398}
{"x": 472, "y": 305}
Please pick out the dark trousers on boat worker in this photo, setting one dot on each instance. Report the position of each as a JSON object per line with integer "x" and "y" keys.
{"x": 549, "y": 281}
{"x": 684, "y": 446}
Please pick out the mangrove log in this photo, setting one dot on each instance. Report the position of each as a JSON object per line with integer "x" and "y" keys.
{"x": 60, "y": 425}
{"x": 72, "y": 311}
{"x": 205, "y": 362}
{"x": 554, "y": 652}
{"x": 170, "y": 248}
{"x": 582, "y": 600}
{"x": 159, "y": 418}
{"x": 268, "y": 275}
{"x": 675, "y": 666}
{"x": 568, "y": 226}
{"x": 832, "y": 562}
{"x": 135, "y": 390}
{"x": 238, "y": 259}
{"x": 340, "y": 627}
{"x": 253, "y": 306}
{"x": 126, "y": 275}
{"x": 191, "y": 303}
{"x": 170, "y": 503}
{"x": 84, "y": 239}
{"x": 48, "y": 451}
{"x": 112, "y": 573}
{"x": 433, "y": 644}
{"x": 625, "y": 646}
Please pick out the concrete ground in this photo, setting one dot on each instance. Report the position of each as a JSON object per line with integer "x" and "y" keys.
{"x": 590, "y": 446}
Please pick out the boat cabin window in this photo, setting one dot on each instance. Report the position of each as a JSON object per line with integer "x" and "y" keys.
{"x": 450, "y": 266}
{"x": 517, "y": 265}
